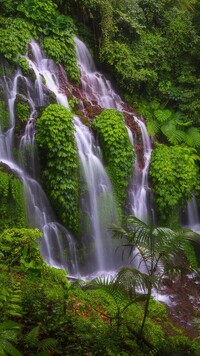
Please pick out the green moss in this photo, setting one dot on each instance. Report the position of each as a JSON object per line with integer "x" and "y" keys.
{"x": 12, "y": 205}
{"x": 55, "y": 138}
{"x": 117, "y": 150}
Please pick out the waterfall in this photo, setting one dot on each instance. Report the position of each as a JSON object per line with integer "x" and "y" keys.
{"x": 139, "y": 192}
{"x": 56, "y": 240}
{"x": 97, "y": 87}
{"x": 192, "y": 215}
{"x": 97, "y": 202}
{"x": 100, "y": 194}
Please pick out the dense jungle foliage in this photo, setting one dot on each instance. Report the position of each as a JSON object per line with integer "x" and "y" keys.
{"x": 150, "y": 51}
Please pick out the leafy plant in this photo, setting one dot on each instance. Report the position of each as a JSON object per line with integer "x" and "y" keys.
{"x": 9, "y": 331}
{"x": 43, "y": 346}
{"x": 158, "y": 250}
{"x": 14, "y": 36}
{"x": 174, "y": 175}
{"x": 62, "y": 50}
{"x": 117, "y": 150}
{"x": 55, "y": 138}
{"x": 19, "y": 248}
{"x": 12, "y": 205}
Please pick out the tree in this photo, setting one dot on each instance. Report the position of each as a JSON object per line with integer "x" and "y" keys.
{"x": 159, "y": 252}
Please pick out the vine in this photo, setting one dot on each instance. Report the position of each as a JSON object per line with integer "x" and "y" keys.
{"x": 55, "y": 137}
{"x": 117, "y": 150}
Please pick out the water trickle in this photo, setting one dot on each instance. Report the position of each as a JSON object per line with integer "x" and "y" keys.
{"x": 192, "y": 215}
{"x": 100, "y": 204}
{"x": 139, "y": 192}
{"x": 57, "y": 245}
{"x": 95, "y": 85}
{"x": 99, "y": 194}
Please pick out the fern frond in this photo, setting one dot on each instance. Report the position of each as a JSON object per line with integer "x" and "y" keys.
{"x": 10, "y": 325}
{"x": 192, "y": 137}
{"x": 9, "y": 348}
{"x": 32, "y": 338}
{"x": 162, "y": 115}
{"x": 174, "y": 135}
{"x": 153, "y": 127}
{"x": 47, "y": 344}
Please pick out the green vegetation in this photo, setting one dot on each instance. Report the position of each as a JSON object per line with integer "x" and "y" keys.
{"x": 38, "y": 20}
{"x": 22, "y": 111}
{"x": 150, "y": 49}
{"x": 117, "y": 150}
{"x": 152, "y": 246}
{"x": 14, "y": 36}
{"x": 55, "y": 138}
{"x": 175, "y": 178}
{"x": 4, "y": 115}
{"x": 41, "y": 313}
{"x": 12, "y": 205}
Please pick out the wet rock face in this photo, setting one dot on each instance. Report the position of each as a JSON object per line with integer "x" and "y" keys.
{"x": 183, "y": 302}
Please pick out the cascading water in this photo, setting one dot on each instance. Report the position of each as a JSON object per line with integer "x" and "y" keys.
{"x": 99, "y": 89}
{"x": 97, "y": 202}
{"x": 96, "y": 87}
{"x": 192, "y": 215}
{"x": 139, "y": 192}
{"x": 56, "y": 239}
{"x": 99, "y": 190}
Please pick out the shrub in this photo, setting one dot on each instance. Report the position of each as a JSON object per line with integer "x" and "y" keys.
{"x": 55, "y": 137}
{"x": 117, "y": 150}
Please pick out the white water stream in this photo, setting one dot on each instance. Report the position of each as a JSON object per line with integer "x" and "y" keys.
{"x": 99, "y": 89}
{"x": 99, "y": 190}
{"x": 56, "y": 241}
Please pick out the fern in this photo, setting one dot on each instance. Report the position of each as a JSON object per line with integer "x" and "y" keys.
{"x": 9, "y": 331}
{"x": 163, "y": 115}
{"x": 31, "y": 339}
{"x": 47, "y": 344}
{"x": 153, "y": 127}
{"x": 174, "y": 135}
{"x": 32, "y": 342}
{"x": 192, "y": 137}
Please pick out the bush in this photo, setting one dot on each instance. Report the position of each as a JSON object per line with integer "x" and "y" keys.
{"x": 117, "y": 150}
{"x": 55, "y": 137}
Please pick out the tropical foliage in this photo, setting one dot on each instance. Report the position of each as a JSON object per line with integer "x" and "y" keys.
{"x": 175, "y": 178}
{"x": 157, "y": 251}
{"x": 117, "y": 150}
{"x": 12, "y": 206}
{"x": 55, "y": 138}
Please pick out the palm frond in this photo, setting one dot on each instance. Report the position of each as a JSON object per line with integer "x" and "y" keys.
{"x": 190, "y": 235}
{"x": 130, "y": 279}
{"x": 110, "y": 287}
